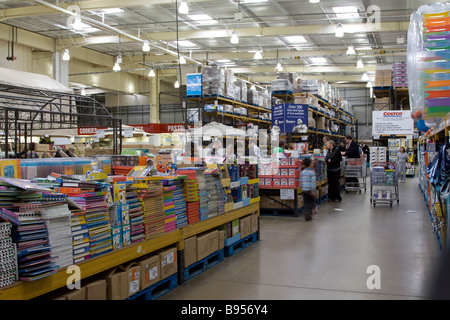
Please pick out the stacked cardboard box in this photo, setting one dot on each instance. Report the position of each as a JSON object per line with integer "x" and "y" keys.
{"x": 383, "y": 78}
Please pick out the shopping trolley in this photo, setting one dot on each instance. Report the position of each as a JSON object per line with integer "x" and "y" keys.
{"x": 357, "y": 170}
{"x": 384, "y": 174}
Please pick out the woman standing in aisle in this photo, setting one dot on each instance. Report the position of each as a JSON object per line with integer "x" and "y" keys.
{"x": 402, "y": 159}
{"x": 333, "y": 161}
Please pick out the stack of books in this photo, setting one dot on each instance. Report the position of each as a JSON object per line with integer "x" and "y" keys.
{"x": 8, "y": 257}
{"x": 191, "y": 193}
{"x": 212, "y": 194}
{"x": 136, "y": 214}
{"x": 94, "y": 204}
{"x": 80, "y": 235}
{"x": 179, "y": 201}
{"x": 169, "y": 209}
{"x": 57, "y": 221}
{"x": 153, "y": 206}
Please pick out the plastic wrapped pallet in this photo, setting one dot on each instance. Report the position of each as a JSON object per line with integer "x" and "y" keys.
{"x": 282, "y": 85}
{"x": 310, "y": 86}
{"x": 213, "y": 81}
{"x": 253, "y": 97}
{"x": 242, "y": 85}
{"x": 229, "y": 83}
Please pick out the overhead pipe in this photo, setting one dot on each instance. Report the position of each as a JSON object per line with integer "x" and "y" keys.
{"x": 113, "y": 29}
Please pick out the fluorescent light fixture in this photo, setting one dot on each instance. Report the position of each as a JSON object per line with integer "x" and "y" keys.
{"x": 224, "y": 61}
{"x": 351, "y": 50}
{"x": 83, "y": 92}
{"x": 346, "y": 12}
{"x": 176, "y": 84}
{"x": 66, "y": 55}
{"x": 234, "y": 38}
{"x": 279, "y": 67}
{"x": 364, "y": 48}
{"x": 182, "y": 60}
{"x": 111, "y": 10}
{"x": 152, "y": 73}
{"x": 78, "y": 27}
{"x": 184, "y": 44}
{"x": 314, "y": 1}
{"x": 365, "y": 77}
{"x": 339, "y": 31}
{"x": 359, "y": 64}
{"x": 183, "y": 8}
{"x": 146, "y": 46}
{"x": 202, "y": 19}
{"x": 258, "y": 55}
{"x": 253, "y": 1}
{"x": 296, "y": 39}
{"x": 318, "y": 60}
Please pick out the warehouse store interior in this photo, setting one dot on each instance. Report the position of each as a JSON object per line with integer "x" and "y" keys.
{"x": 224, "y": 150}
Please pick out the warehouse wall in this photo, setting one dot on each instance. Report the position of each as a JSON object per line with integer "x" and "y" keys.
{"x": 360, "y": 99}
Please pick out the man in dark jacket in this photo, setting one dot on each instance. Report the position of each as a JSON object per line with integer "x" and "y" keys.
{"x": 333, "y": 161}
{"x": 352, "y": 152}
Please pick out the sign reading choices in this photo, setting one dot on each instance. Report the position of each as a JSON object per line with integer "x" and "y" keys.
{"x": 394, "y": 122}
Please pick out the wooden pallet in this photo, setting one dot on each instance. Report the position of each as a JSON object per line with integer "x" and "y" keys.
{"x": 240, "y": 245}
{"x": 157, "y": 290}
{"x": 200, "y": 266}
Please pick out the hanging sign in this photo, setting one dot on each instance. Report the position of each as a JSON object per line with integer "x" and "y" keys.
{"x": 393, "y": 122}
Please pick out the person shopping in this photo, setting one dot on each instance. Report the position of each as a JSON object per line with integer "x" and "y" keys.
{"x": 333, "y": 161}
{"x": 402, "y": 160}
{"x": 308, "y": 185}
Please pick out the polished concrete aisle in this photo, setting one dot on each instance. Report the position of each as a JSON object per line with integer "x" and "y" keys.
{"x": 328, "y": 257}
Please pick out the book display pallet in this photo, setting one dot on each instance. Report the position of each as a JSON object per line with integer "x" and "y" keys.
{"x": 27, "y": 290}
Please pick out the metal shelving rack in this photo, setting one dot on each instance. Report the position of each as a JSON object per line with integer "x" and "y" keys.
{"x": 24, "y": 110}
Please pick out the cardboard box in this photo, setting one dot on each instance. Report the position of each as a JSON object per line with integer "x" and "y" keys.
{"x": 221, "y": 239}
{"x": 190, "y": 251}
{"x": 42, "y": 147}
{"x": 116, "y": 285}
{"x": 96, "y": 290}
{"x": 254, "y": 223}
{"x": 150, "y": 271}
{"x": 133, "y": 284}
{"x": 77, "y": 294}
{"x": 213, "y": 241}
{"x": 320, "y": 123}
{"x": 245, "y": 226}
{"x": 202, "y": 247}
{"x": 88, "y": 152}
{"x": 168, "y": 262}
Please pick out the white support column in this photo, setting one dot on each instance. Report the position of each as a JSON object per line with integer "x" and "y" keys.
{"x": 60, "y": 69}
{"x": 154, "y": 98}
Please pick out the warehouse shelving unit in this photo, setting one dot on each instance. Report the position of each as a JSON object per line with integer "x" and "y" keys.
{"x": 27, "y": 290}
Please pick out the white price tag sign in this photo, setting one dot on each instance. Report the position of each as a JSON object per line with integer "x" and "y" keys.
{"x": 287, "y": 194}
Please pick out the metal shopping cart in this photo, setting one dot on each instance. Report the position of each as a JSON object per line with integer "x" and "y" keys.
{"x": 384, "y": 174}
{"x": 355, "y": 172}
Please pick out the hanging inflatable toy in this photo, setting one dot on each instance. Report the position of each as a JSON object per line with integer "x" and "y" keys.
{"x": 429, "y": 63}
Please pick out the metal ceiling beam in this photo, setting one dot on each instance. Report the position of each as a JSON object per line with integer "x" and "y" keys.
{"x": 248, "y": 32}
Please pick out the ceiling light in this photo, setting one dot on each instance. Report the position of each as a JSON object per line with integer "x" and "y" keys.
{"x": 66, "y": 56}
{"x": 152, "y": 73}
{"x": 234, "y": 38}
{"x": 83, "y": 92}
{"x": 258, "y": 55}
{"x": 339, "y": 31}
{"x": 253, "y": 88}
{"x": 279, "y": 67}
{"x": 146, "y": 46}
{"x": 365, "y": 77}
{"x": 318, "y": 60}
{"x": 224, "y": 61}
{"x": 182, "y": 60}
{"x": 400, "y": 40}
{"x": 111, "y": 10}
{"x": 359, "y": 64}
{"x": 183, "y": 8}
{"x": 351, "y": 50}
{"x": 253, "y": 1}
{"x": 116, "y": 67}
{"x": 183, "y": 43}
{"x": 369, "y": 85}
{"x": 202, "y": 19}
{"x": 176, "y": 84}
{"x": 296, "y": 39}
{"x": 314, "y": 1}
{"x": 346, "y": 12}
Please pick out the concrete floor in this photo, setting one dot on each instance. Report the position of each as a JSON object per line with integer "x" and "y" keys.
{"x": 328, "y": 257}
